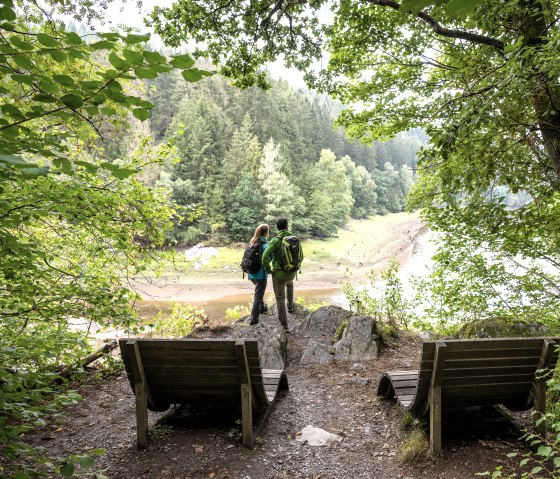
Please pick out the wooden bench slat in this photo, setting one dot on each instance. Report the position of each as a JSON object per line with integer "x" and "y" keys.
{"x": 224, "y": 372}
{"x": 471, "y": 373}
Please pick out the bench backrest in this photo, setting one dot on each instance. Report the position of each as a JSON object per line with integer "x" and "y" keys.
{"x": 486, "y": 371}
{"x": 181, "y": 371}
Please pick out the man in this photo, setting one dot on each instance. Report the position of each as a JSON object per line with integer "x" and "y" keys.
{"x": 282, "y": 281}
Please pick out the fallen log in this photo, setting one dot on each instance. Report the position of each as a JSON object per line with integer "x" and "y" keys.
{"x": 64, "y": 371}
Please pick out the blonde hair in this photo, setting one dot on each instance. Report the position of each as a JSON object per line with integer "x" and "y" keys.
{"x": 261, "y": 230}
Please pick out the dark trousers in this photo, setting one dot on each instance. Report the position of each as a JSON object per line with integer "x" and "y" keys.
{"x": 258, "y": 300}
{"x": 283, "y": 291}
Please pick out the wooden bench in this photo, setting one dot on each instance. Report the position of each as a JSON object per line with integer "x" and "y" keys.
{"x": 477, "y": 372}
{"x": 225, "y": 373}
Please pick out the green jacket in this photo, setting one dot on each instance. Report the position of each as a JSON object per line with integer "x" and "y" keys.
{"x": 271, "y": 257}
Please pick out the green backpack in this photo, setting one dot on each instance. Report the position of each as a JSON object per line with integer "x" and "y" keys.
{"x": 291, "y": 254}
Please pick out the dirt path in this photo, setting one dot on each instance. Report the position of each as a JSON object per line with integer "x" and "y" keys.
{"x": 322, "y": 396}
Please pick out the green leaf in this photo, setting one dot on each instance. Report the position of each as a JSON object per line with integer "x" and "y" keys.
{"x": 73, "y": 38}
{"x": 98, "y": 99}
{"x": 72, "y": 101}
{"x": 12, "y": 160}
{"x": 25, "y": 79}
{"x": 64, "y": 164}
{"x": 44, "y": 98}
{"x": 87, "y": 462}
{"x": 140, "y": 113}
{"x": 118, "y": 62}
{"x": 67, "y": 469}
{"x": 182, "y": 62}
{"x": 11, "y": 110}
{"x": 133, "y": 38}
{"x": 133, "y": 57}
{"x": 108, "y": 111}
{"x": 116, "y": 95}
{"x": 57, "y": 55}
{"x": 414, "y": 6}
{"x": 102, "y": 45}
{"x": 63, "y": 80}
{"x": 146, "y": 104}
{"x": 544, "y": 451}
{"x": 461, "y": 7}
{"x": 48, "y": 86}
{"x": 7, "y": 13}
{"x": 19, "y": 43}
{"x": 142, "y": 72}
{"x": 92, "y": 110}
{"x": 154, "y": 57}
{"x": 24, "y": 62}
{"x": 111, "y": 36}
{"x": 191, "y": 75}
{"x": 89, "y": 167}
{"x": 122, "y": 173}
{"x": 90, "y": 85}
{"x": 75, "y": 53}
{"x": 47, "y": 40}
{"x": 21, "y": 475}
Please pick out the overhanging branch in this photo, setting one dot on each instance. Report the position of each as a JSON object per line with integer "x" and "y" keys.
{"x": 445, "y": 32}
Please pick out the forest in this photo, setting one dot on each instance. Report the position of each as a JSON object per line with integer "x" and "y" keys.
{"x": 244, "y": 157}
{"x": 112, "y": 152}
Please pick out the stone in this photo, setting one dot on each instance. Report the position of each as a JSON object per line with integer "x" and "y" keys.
{"x": 357, "y": 368}
{"x": 317, "y": 353}
{"x": 359, "y": 381}
{"x": 323, "y": 322}
{"x": 501, "y": 327}
{"x": 315, "y": 436}
{"x": 360, "y": 340}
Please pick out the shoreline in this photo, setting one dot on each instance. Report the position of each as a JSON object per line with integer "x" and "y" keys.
{"x": 198, "y": 289}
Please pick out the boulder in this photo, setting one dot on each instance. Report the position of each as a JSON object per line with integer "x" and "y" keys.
{"x": 360, "y": 340}
{"x": 272, "y": 339}
{"x": 323, "y": 322}
{"x": 317, "y": 352}
{"x": 315, "y": 436}
{"x": 501, "y": 327}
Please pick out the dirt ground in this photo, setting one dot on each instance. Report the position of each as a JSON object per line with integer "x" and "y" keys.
{"x": 204, "y": 446}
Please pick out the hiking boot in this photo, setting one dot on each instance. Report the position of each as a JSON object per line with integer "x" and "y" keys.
{"x": 264, "y": 309}
{"x": 291, "y": 309}
{"x": 252, "y": 323}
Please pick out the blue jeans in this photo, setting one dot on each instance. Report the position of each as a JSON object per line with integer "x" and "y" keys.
{"x": 258, "y": 300}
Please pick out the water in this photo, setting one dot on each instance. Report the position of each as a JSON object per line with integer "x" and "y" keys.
{"x": 216, "y": 308}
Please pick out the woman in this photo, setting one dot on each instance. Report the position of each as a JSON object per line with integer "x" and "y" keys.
{"x": 259, "y": 278}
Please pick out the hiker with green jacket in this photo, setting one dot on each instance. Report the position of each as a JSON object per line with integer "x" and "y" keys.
{"x": 282, "y": 280}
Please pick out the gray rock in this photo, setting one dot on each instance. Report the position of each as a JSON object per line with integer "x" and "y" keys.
{"x": 315, "y": 436}
{"x": 357, "y": 368}
{"x": 317, "y": 352}
{"x": 360, "y": 340}
{"x": 323, "y": 322}
{"x": 273, "y": 341}
{"x": 359, "y": 381}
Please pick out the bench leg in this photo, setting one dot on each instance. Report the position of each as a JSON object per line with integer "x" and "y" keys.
{"x": 539, "y": 406}
{"x": 435, "y": 419}
{"x": 247, "y": 416}
{"x": 141, "y": 397}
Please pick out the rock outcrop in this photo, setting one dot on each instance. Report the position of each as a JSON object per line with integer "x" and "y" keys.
{"x": 323, "y": 322}
{"x": 359, "y": 340}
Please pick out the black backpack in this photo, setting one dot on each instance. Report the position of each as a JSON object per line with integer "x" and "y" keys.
{"x": 252, "y": 261}
{"x": 291, "y": 254}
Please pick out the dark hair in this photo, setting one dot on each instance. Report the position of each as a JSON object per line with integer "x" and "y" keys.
{"x": 282, "y": 224}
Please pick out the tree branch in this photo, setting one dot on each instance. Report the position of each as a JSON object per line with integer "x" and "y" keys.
{"x": 445, "y": 32}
